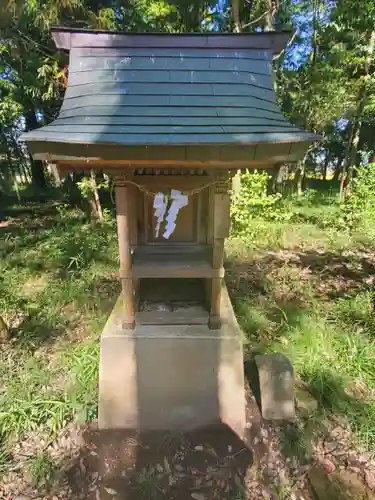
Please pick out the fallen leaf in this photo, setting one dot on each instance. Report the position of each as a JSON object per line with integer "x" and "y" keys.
{"x": 370, "y": 480}
{"x": 159, "y": 468}
{"x": 167, "y": 466}
{"x": 198, "y": 496}
{"x": 110, "y": 491}
{"x": 210, "y": 450}
{"x": 328, "y": 466}
{"x": 198, "y": 448}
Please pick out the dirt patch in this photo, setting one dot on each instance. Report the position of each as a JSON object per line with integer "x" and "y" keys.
{"x": 202, "y": 465}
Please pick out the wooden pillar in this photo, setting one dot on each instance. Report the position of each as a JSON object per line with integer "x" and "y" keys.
{"x": 221, "y": 226}
{"x": 123, "y": 215}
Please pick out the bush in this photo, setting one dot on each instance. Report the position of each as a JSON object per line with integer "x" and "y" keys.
{"x": 252, "y": 201}
{"x": 358, "y": 209}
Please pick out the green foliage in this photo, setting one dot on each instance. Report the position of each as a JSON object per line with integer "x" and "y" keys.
{"x": 252, "y": 201}
{"x": 88, "y": 185}
{"x": 148, "y": 483}
{"x": 40, "y": 468}
{"x": 359, "y": 208}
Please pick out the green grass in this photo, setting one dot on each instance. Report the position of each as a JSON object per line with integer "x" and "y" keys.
{"x": 148, "y": 482}
{"x": 56, "y": 290}
{"x": 306, "y": 290}
{"x": 40, "y": 468}
{"x": 300, "y": 287}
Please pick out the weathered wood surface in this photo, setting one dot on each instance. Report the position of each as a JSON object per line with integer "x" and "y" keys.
{"x": 186, "y": 316}
{"x": 222, "y": 215}
{"x": 156, "y": 269}
{"x": 124, "y": 215}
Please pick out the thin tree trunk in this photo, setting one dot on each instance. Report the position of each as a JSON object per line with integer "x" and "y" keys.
{"x": 325, "y": 167}
{"x": 26, "y": 173}
{"x": 236, "y": 20}
{"x": 37, "y": 167}
{"x": 300, "y": 177}
{"x": 300, "y": 172}
{"x": 98, "y": 205}
{"x": 277, "y": 179}
{"x": 314, "y": 39}
{"x": 269, "y": 21}
{"x": 15, "y": 185}
{"x": 55, "y": 174}
{"x": 338, "y": 169}
{"x": 237, "y": 28}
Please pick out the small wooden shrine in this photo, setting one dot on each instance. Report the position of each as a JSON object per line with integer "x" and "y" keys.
{"x": 169, "y": 117}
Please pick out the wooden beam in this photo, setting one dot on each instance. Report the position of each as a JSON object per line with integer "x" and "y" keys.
{"x": 220, "y": 224}
{"x": 123, "y": 231}
{"x": 116, "y": 166}
{"x": 170, "y": 270}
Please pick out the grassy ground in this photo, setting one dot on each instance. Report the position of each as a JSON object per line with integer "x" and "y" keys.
{"x": 307, "y": 289}
{"x": 302, "y": 287}
{"x": 57, "y": 287}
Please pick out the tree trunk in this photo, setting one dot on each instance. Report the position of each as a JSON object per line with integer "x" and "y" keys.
{"x": 355, "y": 132}
{"x": 325, "y": 167}
{"x": 99, "y": 211}
{"x": 236, "y": 20}
{"x": 15, "y": 185}
{"x": 269, "y": 20}
{"x": 55, "y": 173}
{"x": 338, "y": 169}
{"x": 346, "y": 178}
{"x": 277, "y": 179}
{"x": 300, "y": 177}
{"x": 37, "y": 167}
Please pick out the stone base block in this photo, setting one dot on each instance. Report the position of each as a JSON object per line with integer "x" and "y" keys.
{"x": 176, "y": 377}
{"x": 276, "y": 383}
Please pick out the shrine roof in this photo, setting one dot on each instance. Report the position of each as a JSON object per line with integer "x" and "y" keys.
{"x": 127, "y": 89}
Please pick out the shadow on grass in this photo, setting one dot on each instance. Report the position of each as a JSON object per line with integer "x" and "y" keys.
{"x": 336, "y": 408}
{"x": 75, "y": 260}
{"x": 271, "y": 321}
{"x": 329, "y": 274}
{"x": 45, "y": 327}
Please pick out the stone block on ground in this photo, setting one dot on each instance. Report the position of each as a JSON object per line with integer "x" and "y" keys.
{"x": 276, "y": 383}
{"x": 339, "y": 485}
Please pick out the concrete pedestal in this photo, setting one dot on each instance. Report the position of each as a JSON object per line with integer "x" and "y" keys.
{"x": 174, "y": 378}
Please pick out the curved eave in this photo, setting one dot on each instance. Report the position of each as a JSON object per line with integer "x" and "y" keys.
{"x": 239, "y": 149}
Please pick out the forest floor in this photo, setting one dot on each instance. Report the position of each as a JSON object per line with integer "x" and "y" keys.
{"x": 302, "y": 288}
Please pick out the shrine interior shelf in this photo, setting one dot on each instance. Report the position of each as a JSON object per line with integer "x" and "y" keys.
{"x": 169, "y": 264}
